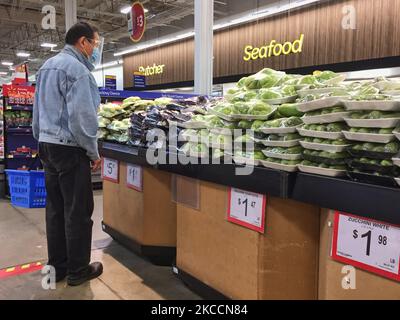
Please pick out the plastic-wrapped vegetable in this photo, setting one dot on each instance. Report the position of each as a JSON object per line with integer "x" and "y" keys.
{"x": 266, "y": 78}
{"x": 103, "y": 122}
{"x": 163, "y": 101}
{"x": 119, "y": 125}
{"x": 102, "y": 133}
{"x": 272, "y": 93}
{"x": 241, "y": 96}
{"x": 110, "y": 110}
{"x": 289, "y": 110}
{"x": 257, "y": 107}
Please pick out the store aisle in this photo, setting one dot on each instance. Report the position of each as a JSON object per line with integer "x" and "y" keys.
{"x": 126, "y": 275}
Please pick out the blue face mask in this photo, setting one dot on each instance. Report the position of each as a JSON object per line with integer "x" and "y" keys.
{"x": 95, "y": 57}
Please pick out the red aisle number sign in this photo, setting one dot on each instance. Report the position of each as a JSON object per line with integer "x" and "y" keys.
{"x": 110, "y": 170}
{"x": 367, "y": 244}
{"x": 134, "y": 177}
{"x": 247, "y": 209}
{"x": 137, "y": 22}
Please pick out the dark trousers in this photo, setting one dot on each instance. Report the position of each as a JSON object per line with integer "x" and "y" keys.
{"x": 69, "y": 207}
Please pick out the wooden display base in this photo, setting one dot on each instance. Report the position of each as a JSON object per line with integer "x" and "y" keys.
{"x": 198, "y": 287}
{"x": 161, "y": 256}
{"x": 241, "y": 263}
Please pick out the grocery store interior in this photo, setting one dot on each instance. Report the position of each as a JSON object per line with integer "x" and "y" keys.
{"x": 250, "y": 149}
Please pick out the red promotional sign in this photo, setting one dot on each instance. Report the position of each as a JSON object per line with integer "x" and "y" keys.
{"x": 137, "y": 22}
{"x": 21, "y": 95}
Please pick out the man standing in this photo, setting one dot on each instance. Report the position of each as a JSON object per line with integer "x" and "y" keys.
{"x": 65, "y": 124}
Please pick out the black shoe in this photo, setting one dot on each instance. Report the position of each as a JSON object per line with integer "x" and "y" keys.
{"x": 93, "y": 271}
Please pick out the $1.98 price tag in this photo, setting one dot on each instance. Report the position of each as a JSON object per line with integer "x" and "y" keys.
{"x": 367, "y": 244}
{"x": 134, "y": 177}
{"x": 247, "y": 209}
{"x": 110, "y": 170}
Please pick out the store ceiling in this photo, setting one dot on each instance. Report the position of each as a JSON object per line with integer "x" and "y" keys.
{"x": 21, "y": 24}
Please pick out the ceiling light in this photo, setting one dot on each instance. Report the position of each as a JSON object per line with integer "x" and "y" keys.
{"x": 48, "y": 45}
{"x": 23, "y": 54}
{"x": 252, "y": 16}
{"x": 8, "y": 64}
{"x": 126, "y": 10}
{"x": 109, "y": 64}
{"x": 155, "y": 43}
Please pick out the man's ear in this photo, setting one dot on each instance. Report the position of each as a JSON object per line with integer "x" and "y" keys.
{"x": 81, "y": 41}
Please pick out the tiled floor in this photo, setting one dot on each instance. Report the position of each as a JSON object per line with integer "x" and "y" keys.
{"x": 126, "y": 275}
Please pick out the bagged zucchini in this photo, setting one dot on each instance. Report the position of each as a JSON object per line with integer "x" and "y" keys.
{"x": 289, "y": 110}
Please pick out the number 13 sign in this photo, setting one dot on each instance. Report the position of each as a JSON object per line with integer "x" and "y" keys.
{"x": 247, "y": 209}
{"x": 367, "y": 244}
{"x": 137, "y": 22}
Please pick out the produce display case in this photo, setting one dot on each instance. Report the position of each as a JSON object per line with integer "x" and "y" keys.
{"x": 141, "y": 217}
{"x": 299, "y": 163}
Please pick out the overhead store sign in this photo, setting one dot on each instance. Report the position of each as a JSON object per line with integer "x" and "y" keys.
{"x": 273, "y": 49}
{"x": 139, "y": 80}
{"x": 367, "y": 244}
{"x": 111, "y": 82}
{"x": 137, "y": 22}
{"x": 151, "y": 71}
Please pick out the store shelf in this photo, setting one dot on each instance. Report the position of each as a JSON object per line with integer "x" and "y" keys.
{"x": 20, "y": 130}
{"x": 19, "y": 108}
{"x": 261, "y": 180}
{"x": 10, "y": 156}
{"x": 365, "y": 200}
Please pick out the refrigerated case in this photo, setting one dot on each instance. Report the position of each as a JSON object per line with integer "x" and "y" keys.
{"x": 20, "y": 147}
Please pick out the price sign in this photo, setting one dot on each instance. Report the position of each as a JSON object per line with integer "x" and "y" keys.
{"x": 367, "y": 244}
{"x": 110, "y": 170}
{"x": 134, "y": 177}
{"x": 247, "y": 209}
{"x": 137, "y": 22}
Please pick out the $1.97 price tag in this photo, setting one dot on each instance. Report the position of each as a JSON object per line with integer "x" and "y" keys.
{"x": 134, "y": 177}
{"x": 367, "y": 244}
{"x": 247, "y": 209}
{"x": 110, "y": 170}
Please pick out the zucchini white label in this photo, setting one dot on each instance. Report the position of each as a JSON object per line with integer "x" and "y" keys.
{"x": 370, "y": 245}
{"x": 134, "y": 176}
{"x": 247, "y": 209}
{"x": 110, "y": 170}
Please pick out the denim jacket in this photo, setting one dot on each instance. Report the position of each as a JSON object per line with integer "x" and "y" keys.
{"x": 66, "y": 102}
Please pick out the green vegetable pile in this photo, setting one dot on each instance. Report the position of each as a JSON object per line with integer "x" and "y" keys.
{"x": 114, "y": 119}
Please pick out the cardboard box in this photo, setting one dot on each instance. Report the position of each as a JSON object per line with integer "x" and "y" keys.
{"x": 244, "y": 264}
{"x": 148, "y": 217}
{"x": 369, "y": 286}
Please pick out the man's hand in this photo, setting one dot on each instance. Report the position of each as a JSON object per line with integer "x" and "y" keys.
{"x": 96, "y": 165}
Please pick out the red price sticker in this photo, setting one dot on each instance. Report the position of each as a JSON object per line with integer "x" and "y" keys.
{"x": 110, "y": 170}
{"x": 367, "y": 244}
{"x": 137, "y": 22}
{"x": 247, "y": 209}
